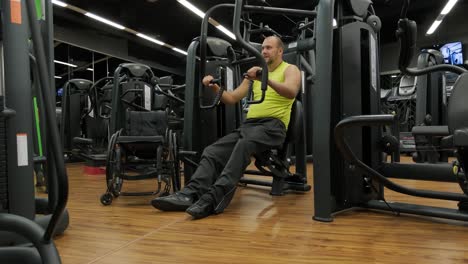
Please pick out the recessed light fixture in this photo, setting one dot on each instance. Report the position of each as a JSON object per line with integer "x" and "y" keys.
{"x": 180, "y": 51}
{"x": 447, "y": 8}
{"x": 201, "y": 14}
{"x": 65, "y": 63}
{"x": 104, "y": 20}
{"x": 116, "y": 25}
{"x": 59, "y": 3}
{"x": 150, "y": 39}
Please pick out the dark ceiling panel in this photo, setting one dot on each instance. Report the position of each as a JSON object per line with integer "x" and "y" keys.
{"x": 172, "y": 23}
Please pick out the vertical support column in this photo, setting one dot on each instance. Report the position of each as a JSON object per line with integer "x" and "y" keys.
{"x": 49, "y": 50}
{"x": 422, "y": 92}
{"x": 18, "y": 97}
{"x": 308, "y": 106}
{"x": 192, "y": 127}
{"x": 322, "y": 134}
{"x": 300, "y": 149}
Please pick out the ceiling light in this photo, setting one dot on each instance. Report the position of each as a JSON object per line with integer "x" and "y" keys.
{"x": 103, "y": 20}
{"x": 65, "y": 63}
{"x": 192, "y": 8}
{"x": 89, "y": 69}
{"x": 57, "y": 77}
{"x": 119, "y": 26}
{"x": 434, "y": 27}
{"x": 180, "y": 51}
{"x": 225, "y": 31}
{"x": 447, "y": 8}
{"x": 150, "y": 39}
{"x": 201, "y": 14}
{"x": 59, "y": 3}
{"x": 450, "y": 4}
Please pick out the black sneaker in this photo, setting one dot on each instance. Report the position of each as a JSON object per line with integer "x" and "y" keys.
{"x": 174, "y": 202}
{"x": 201, "y": 209}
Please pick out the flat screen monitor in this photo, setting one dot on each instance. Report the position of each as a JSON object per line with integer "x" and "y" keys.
{"x": 452, "y": 52}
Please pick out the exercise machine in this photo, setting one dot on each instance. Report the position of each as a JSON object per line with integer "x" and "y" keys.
{"x": 25, "y": 237}
{"x": 352, "y": 173}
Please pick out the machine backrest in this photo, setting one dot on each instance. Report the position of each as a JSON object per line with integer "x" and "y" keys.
{"x": 407, "y": 85}
{"x": 458, "y": 108}
{"x": 296, "y": 123}
{"x": 140, "y": 123}
{"x": 407, "y": 34}
{"x": 104, "y": 101}
{"x": 75, "y": 104}
{"x": 160, "y": 101}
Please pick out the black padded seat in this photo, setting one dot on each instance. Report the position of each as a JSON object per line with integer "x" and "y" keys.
{"x": 440, "y": 131}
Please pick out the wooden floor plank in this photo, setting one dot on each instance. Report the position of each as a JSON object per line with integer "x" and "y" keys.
{"x": 256, "y": 228}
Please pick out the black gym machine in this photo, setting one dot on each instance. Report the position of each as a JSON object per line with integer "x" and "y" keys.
{"x": 25, "y": 236}
{"x": 352, "y": 173}
{"x": 203, "y": 107}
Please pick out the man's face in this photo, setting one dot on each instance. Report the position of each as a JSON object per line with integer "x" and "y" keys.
{"x": 270, "y": 50}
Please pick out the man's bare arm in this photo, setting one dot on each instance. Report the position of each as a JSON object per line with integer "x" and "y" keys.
{"x": 229, "y": 97}
{"x": 291, "y": 85}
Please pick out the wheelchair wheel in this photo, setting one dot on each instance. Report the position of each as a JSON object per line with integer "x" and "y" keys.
{"x": 175, "y": 161}
{"x": 114, "y": 167}
{"x": 106, "y": 199}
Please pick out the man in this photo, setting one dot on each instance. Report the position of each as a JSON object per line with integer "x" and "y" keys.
{"x": 222, "y": 164}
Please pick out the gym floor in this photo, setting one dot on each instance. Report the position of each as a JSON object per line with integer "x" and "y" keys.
{"x": 255, "y": 228}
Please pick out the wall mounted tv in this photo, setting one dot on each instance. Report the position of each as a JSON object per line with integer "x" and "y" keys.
{"x": 453, "y": 53}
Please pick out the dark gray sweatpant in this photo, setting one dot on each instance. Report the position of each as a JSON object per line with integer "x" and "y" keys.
{"x": 223, "y": 163}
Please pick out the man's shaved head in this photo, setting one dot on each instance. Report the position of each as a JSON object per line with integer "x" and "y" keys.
{"x": 279, "y": 42}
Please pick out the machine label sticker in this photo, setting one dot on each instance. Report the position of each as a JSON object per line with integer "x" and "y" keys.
{"x": 373, "y": 62}
{"x": 292, "y": 45}
{"x": 303, "y": 81}
{"x": 229, "y": 79}
{"x": 15, "y": 10}
{"x": 147, "y": 97}
{"x": 91, "y": 113}
{"x": 22, "y": 149}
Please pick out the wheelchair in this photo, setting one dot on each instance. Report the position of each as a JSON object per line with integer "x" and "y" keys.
{"x": 143, "y": 144}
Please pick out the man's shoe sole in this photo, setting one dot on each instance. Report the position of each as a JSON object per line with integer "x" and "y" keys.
{"x": 197, "y": 215}
{"x": 168, "y": 206}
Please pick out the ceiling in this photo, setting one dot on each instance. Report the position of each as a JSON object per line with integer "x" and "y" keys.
{"x": 169, "y": 21}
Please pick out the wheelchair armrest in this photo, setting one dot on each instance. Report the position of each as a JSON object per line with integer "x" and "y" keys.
{"x": 82, "y": 141}
{"x": 440, "y": 131}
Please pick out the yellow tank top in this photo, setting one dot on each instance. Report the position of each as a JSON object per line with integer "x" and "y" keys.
{"x": 274, "y": 105}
